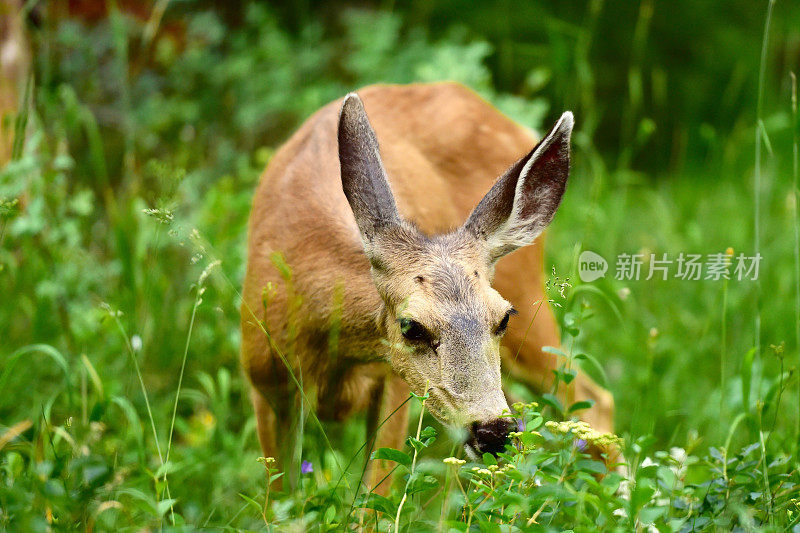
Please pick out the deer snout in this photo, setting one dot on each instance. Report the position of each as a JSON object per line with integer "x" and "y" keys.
{"x": 489, "y": 437}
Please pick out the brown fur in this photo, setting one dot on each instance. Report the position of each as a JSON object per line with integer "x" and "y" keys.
{"x": 442, "y": 147}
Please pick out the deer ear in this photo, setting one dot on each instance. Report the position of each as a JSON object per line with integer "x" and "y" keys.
{"x": 524, "y": 200}
{"x": 363, "y": 177}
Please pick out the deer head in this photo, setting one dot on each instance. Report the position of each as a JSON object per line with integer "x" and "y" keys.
{"x": 441, "y": 316}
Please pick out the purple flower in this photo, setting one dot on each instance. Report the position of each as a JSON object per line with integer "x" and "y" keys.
{"x": 306, "y": 467}
{"x": 580, "y": 444}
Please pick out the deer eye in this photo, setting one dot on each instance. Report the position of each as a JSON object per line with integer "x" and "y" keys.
{"x": 413, "y": 330}
{"x": 503, "y": 325}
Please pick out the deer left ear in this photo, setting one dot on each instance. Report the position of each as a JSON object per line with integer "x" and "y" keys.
{"x": 524, "y": 200}
{"x": 364, "y": 180}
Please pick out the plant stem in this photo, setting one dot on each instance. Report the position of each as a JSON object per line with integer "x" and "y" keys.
{"x": 724, "y": 350}
{"x": 413, "y": 466}
{"x": 115, "y": 315}
{"x": 767, "y": 491}
{"x": 197, "y": 301}
{"x": 759, "y": 133}
{"x": 796, "y": 192}
{"x": 447, "y": 481}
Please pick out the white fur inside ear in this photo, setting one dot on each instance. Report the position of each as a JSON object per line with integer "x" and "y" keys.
{"x": 562, "y": 127}
{"x": 515, "y": 232}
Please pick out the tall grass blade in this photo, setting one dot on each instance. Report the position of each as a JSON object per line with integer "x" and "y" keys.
{"x": 759, "y": 139}
{"x": 45, "y": 349}
{"x": 21, "y": 122}
{"x": 796, "y": 193}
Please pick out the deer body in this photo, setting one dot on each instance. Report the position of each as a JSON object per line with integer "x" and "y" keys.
{"x": 442, "y": 148}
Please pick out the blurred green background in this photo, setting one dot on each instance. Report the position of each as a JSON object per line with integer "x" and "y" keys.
{"x": 176, "y": 107}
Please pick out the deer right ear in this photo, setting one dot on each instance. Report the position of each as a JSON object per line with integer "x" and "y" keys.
{"x": 363, "y": 177}
{"x": 522, "y": 201}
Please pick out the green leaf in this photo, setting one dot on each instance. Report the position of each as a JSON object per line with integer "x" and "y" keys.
{"x": 553, "y": 350}
{"x": 380, "y": 503}
{"x": 251, "y": 502}
{"x": 667, "y": 476}
{"x": 134, "y": 422}
{"x": 456, "y": 525}
{"x": 420, "y": 398}
{"x": 553, "y": 402}
{"x": 420, "y": 483}
{"x": 763, "y": 129}
{"x": 489, "y": 459}
{"x": 611, "y": 301}
{"x": 428, "y": 432}
{"x": 330, "y": 514}
{"x": 583, "y": 404}
{"x": 648, "y": 515}
{"x": 165, "y": 505}
{"x": 534, "y": 424}
{"x": 390, "y": 454}
{"x": 611, "y": 483}
{"x": 593, "y": 367}
{"x": 642, "y": 494}
{"x": 588, "y": 465}
{"x": 45, "y": 349}
{"x": 566, "y": 376}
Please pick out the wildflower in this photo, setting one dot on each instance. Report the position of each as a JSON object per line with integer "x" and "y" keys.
{"x": 515, "y": 434}
{"x": 582, "y": 432}
{"x": 266, "y": 460}
{"x": 306, "y": 467}
{"x": 484, "y": 471}
{"x": 453, "y": 461}
{"x": 493, "y": 467}
{"x": 136, "y": 343}
{"x": 679, "y": 454}
{"x": 580, "y": 444}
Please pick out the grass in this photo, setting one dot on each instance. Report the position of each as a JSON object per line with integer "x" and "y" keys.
{"x": 123, "y": 406}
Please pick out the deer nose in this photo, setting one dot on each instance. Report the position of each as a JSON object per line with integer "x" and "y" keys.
{"x": 490, "y": 437}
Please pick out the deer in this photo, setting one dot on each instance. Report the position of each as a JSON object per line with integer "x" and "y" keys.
{"x": 410, "y": 220}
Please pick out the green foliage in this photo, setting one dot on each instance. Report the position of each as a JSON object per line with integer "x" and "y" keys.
{"x": 132, "y": 175}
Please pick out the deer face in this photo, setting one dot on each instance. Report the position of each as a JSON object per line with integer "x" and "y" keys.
{"x": 444, "y": 323}
{"x": 443, "y": 320}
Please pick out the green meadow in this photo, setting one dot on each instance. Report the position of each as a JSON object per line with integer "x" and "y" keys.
{"x": 137, "y": 146}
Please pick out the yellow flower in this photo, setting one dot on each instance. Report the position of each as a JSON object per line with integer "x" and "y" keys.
{"x": 584, "y": 431}
{"x": 453, "y": 461}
